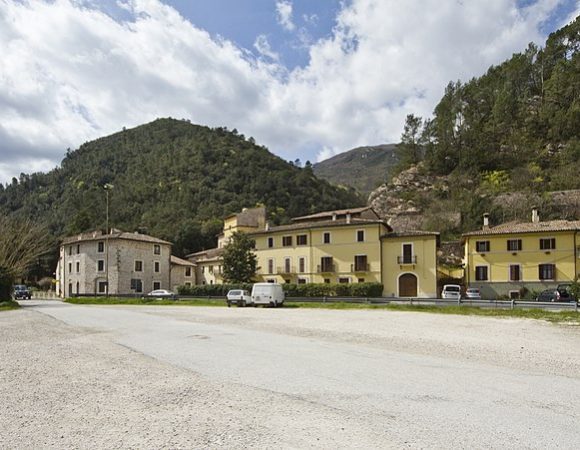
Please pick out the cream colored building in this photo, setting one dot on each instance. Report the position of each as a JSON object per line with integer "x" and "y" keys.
{"x": 118, "y": 263}
{"x": 509, "y": 258}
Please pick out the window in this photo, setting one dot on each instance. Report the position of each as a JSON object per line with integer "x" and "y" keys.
{"x": 188, "y": 283}
{"x": 302, "y": 239}
{"x": 156, "y": 249}
{"x": 301, "y": 280}
{"x": 287, "y": 262}
{"x": 286, "y": 241}
{"x": 102, "y": 287}
{"x": 481, "y": 273}
{"x": 514, "y": 245}
{"x": 78, "y": 287}
{"x": 548, "y": 244}
{"x": 136, "y": 285}
{"x": 344, "y": 280}
{"x": 69, "y": 267}
{"x": 547, "y": 271}
{"x": 70, "y": 251}
{"x": 188, "y": 271}
{"x": 210, "y": 269}
{"x": 361, "y": 280}
{"x": 301, "y": 265}
{"x": 408, "y": 254}
{"x": 78, "y": 266}
{"x": 78, "y": 251}
{"x": 482, "y": 246}
{"x": 326, "y": 264}
{"x": 100, "y": 247}
{"x": 156, "y": 285}
{"x": 156, "y": 267}
{"x": 270, "y": 242}
{"x": 138, "y": 266}
{"x": 101, "y": 265}
{"x": 515, "y": 272}
{"x": 360, "y": 263}
{"x": 326, "y": 237}
{"x": 327, "y": 280}
{"x": 202, "y": 269}
{"x": 360, "y": 235}
{"x": 270, "y": 266}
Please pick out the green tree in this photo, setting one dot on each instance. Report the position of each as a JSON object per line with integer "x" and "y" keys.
{"x": 410, "y": 151}
{"x": 239, "y": 259}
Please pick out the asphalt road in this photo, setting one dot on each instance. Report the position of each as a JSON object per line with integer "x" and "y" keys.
{"x": 335, "y": 378}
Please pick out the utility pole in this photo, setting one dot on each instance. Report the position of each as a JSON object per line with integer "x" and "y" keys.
{"x": 107, "y": 188}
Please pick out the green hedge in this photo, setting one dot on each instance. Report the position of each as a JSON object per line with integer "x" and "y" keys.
{"x": 212, "y": 290}
{"x": 292, "y": 290}
{"x": 334, "y": 290}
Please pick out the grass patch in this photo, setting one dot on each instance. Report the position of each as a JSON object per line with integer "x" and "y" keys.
{"x": 539, "y": 314}
{"x": 143, "y": 301}
{"x": 8, "y": 305}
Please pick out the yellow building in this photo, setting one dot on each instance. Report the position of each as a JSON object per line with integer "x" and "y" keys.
{"x": 348, "y": 246}
{"x": 510, "y": 258}
{"x": 409, "y": 264}
{"x": 329, "y": 247}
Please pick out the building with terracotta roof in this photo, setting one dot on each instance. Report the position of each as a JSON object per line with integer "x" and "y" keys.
{"x": 512, "y": 258}
{"x": 118, "y": 263}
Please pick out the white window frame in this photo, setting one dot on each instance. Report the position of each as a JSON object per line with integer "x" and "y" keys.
{"x": 135, "y": 261}
{"x": 510, "y": 272}
{"x": 190, "y": 272}
{"x": 488, "y": 272}
{"x": 103, "y": 250}
{"x": 546, "y": 239}
{"x": 554, "y": 274}
{"x": 344, "y": 278}
{"x": 155, "y": 247}
{"x": 289, "y": 260}
{"x": 303, "y": 258}
{"x": 153, "y": 285}
{"x": 103, "y": 261}
{"x": 403, "y": 252}
{"x": 273, "y": 262}
{"x": 156, "y": 265}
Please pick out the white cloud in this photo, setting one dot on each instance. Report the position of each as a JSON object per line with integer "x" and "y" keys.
{"x": 69, "y": 74}
{"x": 263, "y": 46}
{"x": 284, "y": 14}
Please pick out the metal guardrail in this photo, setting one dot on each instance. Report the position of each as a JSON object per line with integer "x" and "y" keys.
{"x": 496, "y": 304}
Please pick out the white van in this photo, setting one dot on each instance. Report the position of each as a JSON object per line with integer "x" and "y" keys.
{"x": 452, "y": 291}
{"x": 267, "y": 294}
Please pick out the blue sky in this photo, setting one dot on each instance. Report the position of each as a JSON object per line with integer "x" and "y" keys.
{"x": 307, "y": 78}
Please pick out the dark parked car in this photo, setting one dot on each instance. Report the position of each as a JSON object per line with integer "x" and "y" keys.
{"x": 565, "y": 292}
{"x": 21, "y": 292}
{"x": 549, "y": 295}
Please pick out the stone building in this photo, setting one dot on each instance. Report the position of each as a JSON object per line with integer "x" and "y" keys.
{"x": 118, "y": 263}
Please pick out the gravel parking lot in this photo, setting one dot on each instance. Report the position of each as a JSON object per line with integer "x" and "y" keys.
{"x": 191, "y": 377}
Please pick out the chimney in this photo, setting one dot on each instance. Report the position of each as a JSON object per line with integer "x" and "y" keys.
{"x": 486, "y": 221}
{"x": 333, "y": 216}
{"x": 535, "y": 215}
{"x": 267, "y": 227}
{"x": 348, "y": 218}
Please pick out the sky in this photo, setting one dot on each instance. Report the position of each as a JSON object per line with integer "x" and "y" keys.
{"x": 306, "y": 78}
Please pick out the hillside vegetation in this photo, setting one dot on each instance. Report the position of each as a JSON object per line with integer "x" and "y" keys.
{"x": 363, "y": 168}
{"x": 514, "y": 129}
{"x": 173, "y": 179}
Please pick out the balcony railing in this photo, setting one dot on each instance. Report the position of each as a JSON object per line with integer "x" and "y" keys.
{"x": 286, "y": 269}
{"x": 360, "y": 267}
{"x": 326, "y": 268}
{"x": 407, "y": 259}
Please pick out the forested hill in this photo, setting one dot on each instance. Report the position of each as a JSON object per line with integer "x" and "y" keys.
{"x": 364, "y": 168}
{"x": 514, "y": 129}
{"x": 175, "y": 179}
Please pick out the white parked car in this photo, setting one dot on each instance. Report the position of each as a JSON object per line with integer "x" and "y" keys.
{"x": 451, "y": 291}
{"x": 238, "y": 297}
{"x": 162, "y": 293}
{"x": 270, "y": 294}
{"x": 473, "y": 293}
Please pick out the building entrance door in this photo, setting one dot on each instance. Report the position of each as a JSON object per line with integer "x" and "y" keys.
{"x": 408, "y": 285}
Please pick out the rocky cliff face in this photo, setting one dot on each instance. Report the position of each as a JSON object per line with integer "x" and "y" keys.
{"x": 402, "y": 202}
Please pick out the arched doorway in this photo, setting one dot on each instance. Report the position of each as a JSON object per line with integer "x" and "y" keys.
{"x": 407, "y": 285}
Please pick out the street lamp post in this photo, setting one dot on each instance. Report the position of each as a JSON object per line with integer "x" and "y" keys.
{"x": 107, "y": 188}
